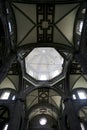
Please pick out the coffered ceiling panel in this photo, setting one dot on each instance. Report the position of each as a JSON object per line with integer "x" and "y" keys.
{"x": 28, "y": 9}
{"x": 24, "y": 25}
{"x": 7, "y": 84}
{"x": 31, "y": 38}
{"x": 37, "y": 23}
{"x": 63, "y": 10}
{"x": 66, "y": 25}
{"x": 59, "y": 38}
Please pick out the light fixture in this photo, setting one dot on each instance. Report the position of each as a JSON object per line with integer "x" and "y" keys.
{"x": 5, "y": 95}
{"x": 82, "y": 95}
{"x": 43, "y": 121}
{"x": 44, "y": 63}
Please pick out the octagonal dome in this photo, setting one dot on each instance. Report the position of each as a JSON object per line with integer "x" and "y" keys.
{"x": 44, "y": 63}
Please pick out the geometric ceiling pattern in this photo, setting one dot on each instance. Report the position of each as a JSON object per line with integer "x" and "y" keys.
{"x": 40, "y": 23}
{"x": 43, "y": 24}
{"x": 49, "y": 62}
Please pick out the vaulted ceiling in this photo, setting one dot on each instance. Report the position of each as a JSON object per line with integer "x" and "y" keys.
{"x": 43, "y": 54}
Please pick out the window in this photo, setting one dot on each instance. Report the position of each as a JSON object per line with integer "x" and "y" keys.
{"x": 74, "y": 96}
{"x": 5, "y": 127}
{"x": 5, "y": 95}
{"x": 82, "y": 95}
{"x": 79, "y": 27}
{"x": 43, "y": 121}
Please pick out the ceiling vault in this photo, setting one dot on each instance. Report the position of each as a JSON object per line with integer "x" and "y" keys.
{"x": 43, "y": 65}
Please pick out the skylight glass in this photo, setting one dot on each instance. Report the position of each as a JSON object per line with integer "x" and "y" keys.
{"x": 44, "y": 63}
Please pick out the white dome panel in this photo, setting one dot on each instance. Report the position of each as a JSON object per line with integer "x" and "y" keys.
{"x": 44, "y": 63}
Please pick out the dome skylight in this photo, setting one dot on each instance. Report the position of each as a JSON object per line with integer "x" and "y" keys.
{"x": 44, "y": 63}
